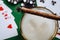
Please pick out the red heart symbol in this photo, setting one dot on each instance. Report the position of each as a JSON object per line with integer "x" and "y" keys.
{"x": 10, "y": 26}
{"x": 6, "y": 15}
{"x": 1, "y": 9}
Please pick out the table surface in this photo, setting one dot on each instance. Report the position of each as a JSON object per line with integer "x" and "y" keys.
{"x": 18, "y": 18}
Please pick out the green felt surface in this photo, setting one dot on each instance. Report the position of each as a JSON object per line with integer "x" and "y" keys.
{"x": 18, "y": 17}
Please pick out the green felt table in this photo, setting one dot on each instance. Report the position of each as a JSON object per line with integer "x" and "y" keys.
{"x": 18, "y": 18}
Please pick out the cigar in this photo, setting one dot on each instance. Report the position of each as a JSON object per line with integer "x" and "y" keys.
{"x": 39, "y": 13}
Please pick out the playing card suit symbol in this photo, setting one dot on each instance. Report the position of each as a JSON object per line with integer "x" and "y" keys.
{"x": 1, "y": 9}
{"x": 2, "y": 13}
{"x": 53, "y": 2}
{"x": 6, "y": 14}
{"x": 5, "y": 18}
{"x": 42, "y": 1}
{"x": 10, "y": 26}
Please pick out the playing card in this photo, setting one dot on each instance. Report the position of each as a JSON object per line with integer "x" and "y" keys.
{"x": 7, "y": 29}
{"x": 6, "y": 15}
{"x": 5, "y": 7}
{"x": 7, "y": 33}
{"x": 53, "y": 8}
{"x": 7, "y": 20}
{"x": 53, "y": 5}
{"x": 5, "y": 10}
{"x": 7, "y": 25}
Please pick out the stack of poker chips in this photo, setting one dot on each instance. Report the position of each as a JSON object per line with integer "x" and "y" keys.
{"x": 25, "y": 3}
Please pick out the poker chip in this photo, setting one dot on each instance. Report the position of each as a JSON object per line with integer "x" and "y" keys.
{"x": 22, "y": 1}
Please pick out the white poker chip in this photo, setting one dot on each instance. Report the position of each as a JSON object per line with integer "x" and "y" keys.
{"x": 22, "y": 4}
{"x": 8, "y": 0}
{"x": 31, "y": 2}
{"x": 15, "y": 2}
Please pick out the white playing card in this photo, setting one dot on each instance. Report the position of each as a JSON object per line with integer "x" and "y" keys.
{"x": 4, "y": 24}
{"x": 7, "y": 18}
{"x": 6, "y": 15}
{"x": 7, "y": 33}
{"x": 53, "y": 8}
{"x": 5, "y": 7}
{"x": 7, "y": 29}
{"x": 7, "y": 21}
{"x": 48, "y": 4}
